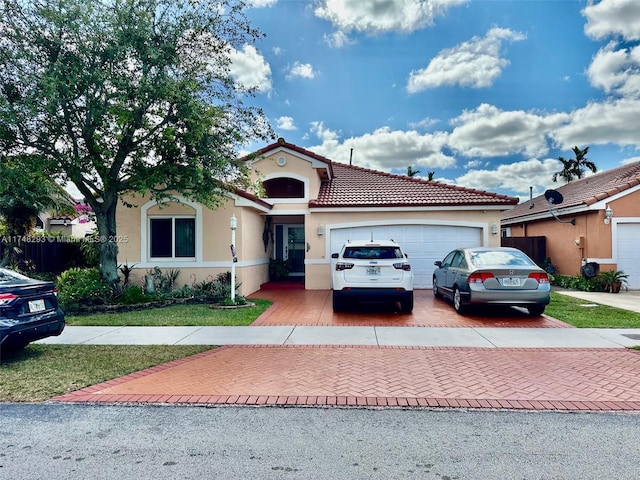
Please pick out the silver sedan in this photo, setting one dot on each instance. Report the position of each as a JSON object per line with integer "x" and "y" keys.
{"x": 491, "y": 275}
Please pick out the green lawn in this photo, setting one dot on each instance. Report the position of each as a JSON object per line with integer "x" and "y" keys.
{"x": 575, "y": 312}
{"x": 196, "y": 315}
{"x": 40, "y": 372}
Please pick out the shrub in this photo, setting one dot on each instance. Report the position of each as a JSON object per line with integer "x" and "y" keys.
{"x": 134, "y": 295}
{"x": 79, "y": 287}
{"x": 577, "y": 282}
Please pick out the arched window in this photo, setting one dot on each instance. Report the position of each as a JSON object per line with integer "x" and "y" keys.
{"x": 284, "y": 187}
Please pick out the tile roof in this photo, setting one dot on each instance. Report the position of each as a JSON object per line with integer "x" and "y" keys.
{"x": 581, "y": 193}
{"x": 353, "y": 186}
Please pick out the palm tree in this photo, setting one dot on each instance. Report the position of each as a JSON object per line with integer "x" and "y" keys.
{"x": 575, "y": 168}
{"x": 411, "y": 172}
{"x": 430, "y": 175}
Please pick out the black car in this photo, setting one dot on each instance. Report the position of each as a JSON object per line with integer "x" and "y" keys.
{"x": 29, "y": 310}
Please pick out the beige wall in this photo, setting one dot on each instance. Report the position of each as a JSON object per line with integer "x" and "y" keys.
{"x": 295, "y": 167}
{"x": 251, "y": 268}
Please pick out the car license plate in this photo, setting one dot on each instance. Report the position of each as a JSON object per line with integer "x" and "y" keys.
{"x": 373, "y": 270}
{"x": 510, "y": 282}
{"x": 36, "y": 305}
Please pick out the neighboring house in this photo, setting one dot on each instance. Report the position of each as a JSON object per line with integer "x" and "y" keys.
{"x": 77, "y": 225}
{"x": 309, "y": 207}
{"x": 606, "y": 210}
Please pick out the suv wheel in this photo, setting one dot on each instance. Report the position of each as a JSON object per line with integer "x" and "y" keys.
{"x": 407, "y": 305}
{"x": 337, "y": 302}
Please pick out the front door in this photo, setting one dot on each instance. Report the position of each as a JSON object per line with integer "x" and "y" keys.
{"x": 293, "y": 248}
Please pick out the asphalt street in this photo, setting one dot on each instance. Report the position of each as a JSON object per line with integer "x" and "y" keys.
{"x": 105, "y": 442}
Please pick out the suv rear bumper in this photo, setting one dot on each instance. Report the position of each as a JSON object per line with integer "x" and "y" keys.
{"x": 374, "y": 294}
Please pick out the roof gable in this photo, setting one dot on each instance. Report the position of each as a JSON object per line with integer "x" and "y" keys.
{"x": 580, "y": 193}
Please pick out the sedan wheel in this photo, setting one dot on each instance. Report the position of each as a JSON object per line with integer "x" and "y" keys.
{"x": 436, "y": 291}
{"x": 458, "y": 306}
{"x": 536, "y": 310}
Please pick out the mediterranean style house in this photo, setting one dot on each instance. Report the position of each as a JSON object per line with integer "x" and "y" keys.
{"x": 598, "y": 222}
{"x": 309, "y": 207}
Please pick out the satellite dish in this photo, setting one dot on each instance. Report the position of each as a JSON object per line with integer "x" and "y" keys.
{"x": 555, "y": 198}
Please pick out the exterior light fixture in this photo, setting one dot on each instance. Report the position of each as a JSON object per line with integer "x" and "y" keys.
{"x": 320, "y": 230}
{"x": 494, "y": 229}
{"x": 608, "y": 215}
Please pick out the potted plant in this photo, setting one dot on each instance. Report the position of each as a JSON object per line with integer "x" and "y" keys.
{"x": 613, "y": 280}
{"x": 278, "y": 269}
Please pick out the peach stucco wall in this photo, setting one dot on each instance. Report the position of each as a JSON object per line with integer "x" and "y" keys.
{"x": 590, "y": 239}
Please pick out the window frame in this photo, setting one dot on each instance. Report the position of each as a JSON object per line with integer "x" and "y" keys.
{"x": 173, "y": 256}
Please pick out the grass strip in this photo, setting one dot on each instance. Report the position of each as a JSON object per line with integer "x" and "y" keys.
{"x": 40, "y": 372}
{"x": 194, "y": 315}
{"x": 583, "y": 314}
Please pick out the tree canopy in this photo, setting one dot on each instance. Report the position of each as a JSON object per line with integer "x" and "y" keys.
{"x": 575, "y": 168}
{"x": 120, "y": 96}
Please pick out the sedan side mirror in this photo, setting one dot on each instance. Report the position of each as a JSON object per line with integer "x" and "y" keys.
{"x": 437, "y": 263}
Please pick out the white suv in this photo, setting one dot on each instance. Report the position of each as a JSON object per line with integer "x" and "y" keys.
{"x": 373, "y": 271}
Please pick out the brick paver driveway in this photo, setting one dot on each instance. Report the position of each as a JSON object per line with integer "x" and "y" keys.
{"x": 508, "y": 378}
{"x": 314, "y": 307}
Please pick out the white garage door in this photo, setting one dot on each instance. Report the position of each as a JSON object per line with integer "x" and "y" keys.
{"x": 628, "y": 253}
{"x": 423, "y": 244}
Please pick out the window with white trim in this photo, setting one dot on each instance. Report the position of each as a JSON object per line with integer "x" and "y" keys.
{"x": 172, "y": 237}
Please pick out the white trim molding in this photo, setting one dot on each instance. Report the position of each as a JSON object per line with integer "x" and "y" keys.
{"x": 145, "y": 254}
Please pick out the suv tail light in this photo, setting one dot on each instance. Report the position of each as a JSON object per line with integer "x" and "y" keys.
{"x": 402, "y": 266}
{"x": 541, "y": 277}
{"x": 479, "y": 277}
{"x": 343, "y": 266}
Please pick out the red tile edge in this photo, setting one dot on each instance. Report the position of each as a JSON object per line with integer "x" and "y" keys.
{"x": 360, "y": 402}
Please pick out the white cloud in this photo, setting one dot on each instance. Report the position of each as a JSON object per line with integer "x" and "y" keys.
{"x": 385, "y": 149}
{"x": 338, "y": 39}
{"x": 301, "y": 70}
{"x": 378, "y": 16}
{"x": 476, "y": 63}
{"x": 250, "y": 69}
{"x": 609, "y": 122}
{"x": 516, "y": 177}
{"x": 424, "y": 124}
{"x": 488, "y": 131}
{"x": 616, "y": 70}
{"x": 262, "y": 3}
{"x": 285, "y": 123}
{"x": 612, "y": 18}
{"x": 627, "y": 161}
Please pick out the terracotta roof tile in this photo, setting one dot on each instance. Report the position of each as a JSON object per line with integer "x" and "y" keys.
{"x": 582, "y": 193}
{"x": 353, "y": 186}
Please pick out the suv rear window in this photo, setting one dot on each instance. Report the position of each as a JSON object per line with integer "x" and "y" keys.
{"x": 372, "y": 253}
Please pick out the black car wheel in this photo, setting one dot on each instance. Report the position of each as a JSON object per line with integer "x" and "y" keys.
{"x": 337, "y": 302}
{"x": 407, "y": 305}
{"x": 536, "y": 310}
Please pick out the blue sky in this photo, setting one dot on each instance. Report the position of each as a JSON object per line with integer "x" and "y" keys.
{"x": 485, "y": 93}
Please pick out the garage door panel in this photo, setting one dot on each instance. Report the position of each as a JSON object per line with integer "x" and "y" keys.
{"x": 423, "y": 244}
{"x": 628, "y": 254}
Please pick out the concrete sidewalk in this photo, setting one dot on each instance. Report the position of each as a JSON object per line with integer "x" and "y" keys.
{"x": 367, "y": 336}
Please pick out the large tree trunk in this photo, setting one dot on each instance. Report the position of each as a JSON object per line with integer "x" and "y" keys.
{"x": 108, "y": 246}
